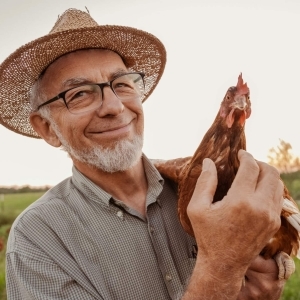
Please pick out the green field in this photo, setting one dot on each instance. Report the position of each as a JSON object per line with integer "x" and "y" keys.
{"x": 14, "y": 204}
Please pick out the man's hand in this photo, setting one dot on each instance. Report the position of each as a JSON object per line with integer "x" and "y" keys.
{"x": 232, "y": 232}
{"x": 262, "y": 281}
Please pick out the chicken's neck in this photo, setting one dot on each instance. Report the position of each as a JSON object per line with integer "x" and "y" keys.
{"x": 221, "y": 144}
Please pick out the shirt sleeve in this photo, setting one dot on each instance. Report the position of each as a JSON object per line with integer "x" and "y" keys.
{"x": 32, "y": 279}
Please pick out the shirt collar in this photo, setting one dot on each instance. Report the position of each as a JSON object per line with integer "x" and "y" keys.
{"x": 89, "y": 188}
{"x": 155, "y": 181}
{"x": 94, "y": 192}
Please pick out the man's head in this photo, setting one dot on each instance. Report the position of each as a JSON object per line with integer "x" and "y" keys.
{"x": 74, "y": 30}
{"x": 109, "y": 136}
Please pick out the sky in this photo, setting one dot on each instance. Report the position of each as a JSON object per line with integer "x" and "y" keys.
{"x": 208, "y": 43}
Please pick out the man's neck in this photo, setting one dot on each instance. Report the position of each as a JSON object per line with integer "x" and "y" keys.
{"x": 129, "y": 186}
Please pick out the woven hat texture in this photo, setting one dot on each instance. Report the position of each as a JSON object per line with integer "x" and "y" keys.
{"x": 74, "y": 30}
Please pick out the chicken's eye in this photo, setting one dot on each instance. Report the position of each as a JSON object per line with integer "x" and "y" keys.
{"x": 227, "y": 97}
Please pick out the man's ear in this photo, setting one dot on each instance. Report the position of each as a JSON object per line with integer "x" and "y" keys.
{"x": 44, "y": 129}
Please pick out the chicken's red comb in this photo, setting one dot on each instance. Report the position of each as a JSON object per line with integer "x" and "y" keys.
{"x": 242, "y": 87}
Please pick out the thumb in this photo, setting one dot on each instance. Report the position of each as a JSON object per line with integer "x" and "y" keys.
{"x": 206, "y": 184}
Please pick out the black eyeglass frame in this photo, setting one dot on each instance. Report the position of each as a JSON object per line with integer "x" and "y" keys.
{"x": 101, "y": 85}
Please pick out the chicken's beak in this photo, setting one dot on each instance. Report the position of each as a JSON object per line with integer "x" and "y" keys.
{"x": 239, "y": 102}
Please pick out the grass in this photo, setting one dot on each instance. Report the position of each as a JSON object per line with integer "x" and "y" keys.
{"x": 292, "y": 287}
{"x": 14, "y": 204}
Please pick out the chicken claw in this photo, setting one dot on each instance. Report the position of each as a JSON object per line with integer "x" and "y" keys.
{"x": 285, "y": 264}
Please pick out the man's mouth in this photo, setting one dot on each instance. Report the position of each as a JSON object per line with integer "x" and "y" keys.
{"x": 114, "y": 130}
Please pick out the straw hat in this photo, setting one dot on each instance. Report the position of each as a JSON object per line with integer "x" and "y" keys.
{"x": 73, "y": 30}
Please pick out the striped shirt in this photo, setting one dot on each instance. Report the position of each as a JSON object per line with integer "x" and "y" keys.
{"x": 78, "y": 242}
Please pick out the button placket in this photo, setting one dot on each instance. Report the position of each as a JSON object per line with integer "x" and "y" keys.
{"x": 159, "y": 239}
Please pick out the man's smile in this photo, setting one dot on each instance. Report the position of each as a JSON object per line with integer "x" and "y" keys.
{"x": 112, "y": 131}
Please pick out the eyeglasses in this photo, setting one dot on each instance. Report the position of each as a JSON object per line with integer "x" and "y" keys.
{"x": 84, "y": 98}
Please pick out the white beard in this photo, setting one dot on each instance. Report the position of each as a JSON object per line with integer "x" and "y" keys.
{"x": 122, "y": 156}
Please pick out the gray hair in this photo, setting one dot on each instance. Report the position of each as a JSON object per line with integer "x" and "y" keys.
{"x": 37, "y": 97}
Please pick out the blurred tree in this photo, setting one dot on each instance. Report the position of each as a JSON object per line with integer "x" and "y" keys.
{"x": 283, "y": 159}
{"x": 22, "y": 189}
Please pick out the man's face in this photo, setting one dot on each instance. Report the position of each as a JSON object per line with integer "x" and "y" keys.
{"x": 110, "y": 137}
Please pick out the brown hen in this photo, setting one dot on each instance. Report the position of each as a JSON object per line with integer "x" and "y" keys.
{"x": 221, "y": 143}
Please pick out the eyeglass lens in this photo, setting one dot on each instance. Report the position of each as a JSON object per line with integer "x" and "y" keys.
{"x": 88, "y": 97}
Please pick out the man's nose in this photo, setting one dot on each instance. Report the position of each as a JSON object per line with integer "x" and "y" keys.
{"x": 111, "y": 104}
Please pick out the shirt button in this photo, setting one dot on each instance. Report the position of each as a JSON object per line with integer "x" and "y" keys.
{"x": 151, "y": 229}
{"x": 120, "y": 214}
{"x": 168, "y": 277}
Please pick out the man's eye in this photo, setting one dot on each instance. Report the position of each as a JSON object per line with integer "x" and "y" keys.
{"x": 77, "y": 94}
{"x": 122, "y": 85}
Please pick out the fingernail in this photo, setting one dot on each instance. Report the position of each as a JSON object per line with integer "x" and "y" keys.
{"x": 205, "y": 164}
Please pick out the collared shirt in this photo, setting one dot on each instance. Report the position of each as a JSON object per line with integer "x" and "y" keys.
{"x": 78, "y": 242}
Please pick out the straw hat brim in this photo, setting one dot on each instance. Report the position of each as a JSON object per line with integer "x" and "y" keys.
{"x": 140, "y": 51}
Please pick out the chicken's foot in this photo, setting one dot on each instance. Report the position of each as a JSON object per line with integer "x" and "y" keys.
{"x": 285, "y": 264}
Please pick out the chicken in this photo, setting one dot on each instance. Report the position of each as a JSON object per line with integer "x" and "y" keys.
{"x": 221, "y": 143}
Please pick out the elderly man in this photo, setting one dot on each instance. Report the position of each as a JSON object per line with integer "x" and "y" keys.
{"x": 111, "y": 230}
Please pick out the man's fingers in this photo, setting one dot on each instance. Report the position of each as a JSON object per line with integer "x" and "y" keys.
{"x": 270, "y": 184}
{"x": 247, "y": 175}
{"x": 206, "y": 183}
{"x": 261, "y": 265}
